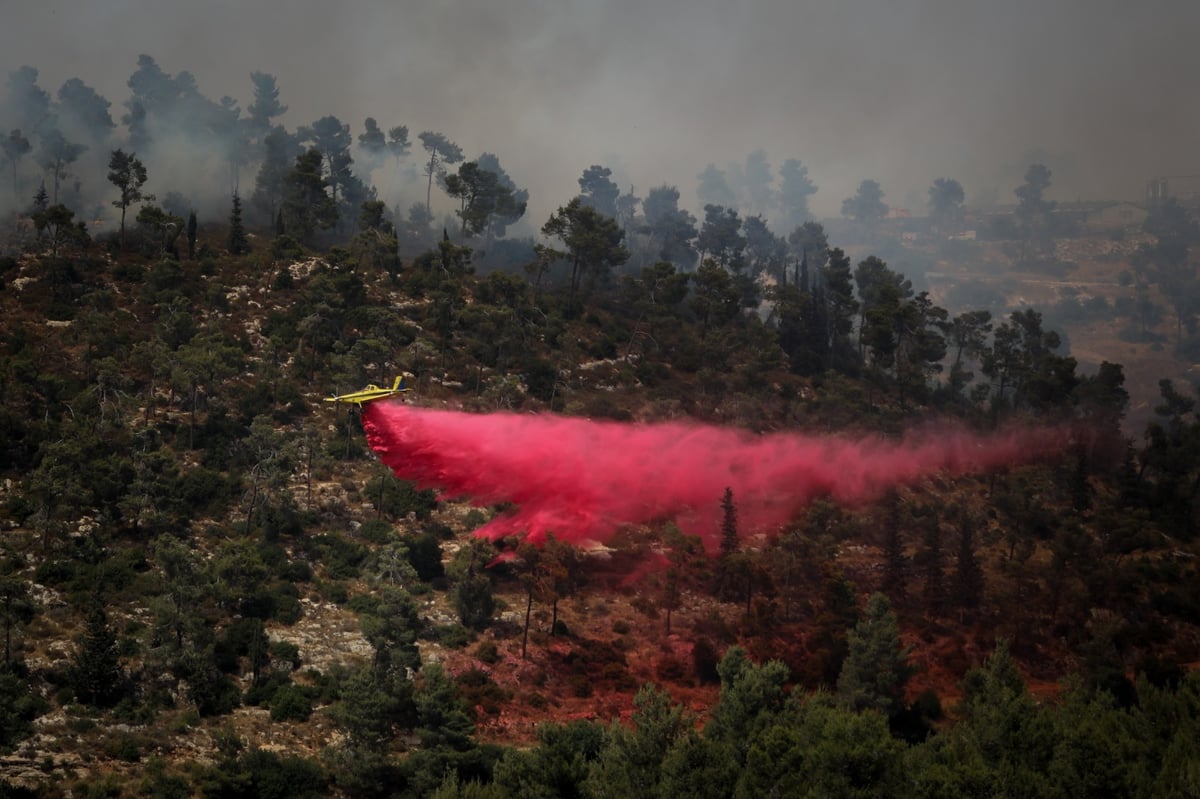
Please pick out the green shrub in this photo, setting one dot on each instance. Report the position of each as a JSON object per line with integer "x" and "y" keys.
{"x": 285, "y": 652}
{"x": 425, "y": 555}
{"x": 263, "y": 691}
{"x": 291, "y": 703}
{"x": 213, "y": 693}
{"x": 342, "y": 558}
{"x": 82, "y": 724}
{"x": 288, "y": 609}
{"x": 261, "y": 773}
{"x": 335, "y": 591}
{"x": 107, "y": 787}
{"x": 126, "y": 748}
{"x": 399, "y": 498}
{"x": 56, "y": 572}
{"x": 129, "y": 273}
{"x": 157, "y": 783}
{"x": 454, "y": 636}
{"x": 377, "y": 531}
{"x": 488, "y": 652}
{"x": 364, "y": 604}
{"x": 296, "y": 571}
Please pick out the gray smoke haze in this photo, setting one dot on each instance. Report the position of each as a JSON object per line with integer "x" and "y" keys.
{"x": 900, "y": 91}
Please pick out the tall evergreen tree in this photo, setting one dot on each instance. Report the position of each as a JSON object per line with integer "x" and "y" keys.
{"x": 471, "y": 591}
{"x": 96, "y": 670}
{"x": 593, "y": 244}
{"x": 671, "y": 229}
{"x": 837, "y": 286}
{"x": 372, "y": 144}
{"x": 128, "y": 174}
{"x": 757, "y": 179}
{"x": 57, "y": 225}
{"x": 876, "y": 667}
{"x": 630, "y": 762}
{"x": 41, "y": 200}
{"x": 192, "y": 227}
{"x": 866, "y": 207}
{"x": 946, "y": 205}
{"x": 733, "y": 567}
{"x": 441, "y": 151}
{"x": 597, "y": 190}
{"x": 795, "y": 187}
{"x": 1033, "y": 211}
{"x": 391, "y": 629}
{"x": 307, "y": 206}
{"x": 721, "y": 237}
{"x": 367, "y": 712}
{"x": 509, "y": 203}
{"x": 266, "y": 105}
{"x": 238, "y": 243}
{"x": 443, "y": 720}
{"x": 17, "y": 608}
{"x": 279, "y": 150}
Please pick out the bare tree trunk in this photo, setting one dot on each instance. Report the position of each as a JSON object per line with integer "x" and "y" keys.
{"x": 253, "y": 498}
{"x": 525, "y": 634}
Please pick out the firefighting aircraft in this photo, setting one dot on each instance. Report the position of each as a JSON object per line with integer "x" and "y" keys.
{"x": 373, "y": 392}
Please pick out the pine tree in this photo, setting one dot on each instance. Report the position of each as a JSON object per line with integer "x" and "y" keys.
{"x": 442, "y": 716}
{"x": 238, "y": 243}
{"x": 876, "y": 667}
{"x": 17, "y": 608}
{"x": 191, "y": 234}
{"x": 96, "y": 672}
{"x": 128, "y": 174}
{"x": 732, "y": 568}
{"x": 630, "y": 761}
{"x": 307, "y": 204}
{"x": 471, "y": 591}
{"x": 366, "y": 712}
{"x": 41, "y": 200}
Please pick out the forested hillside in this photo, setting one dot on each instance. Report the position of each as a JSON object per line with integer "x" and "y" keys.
{"x": 209, "y": 585}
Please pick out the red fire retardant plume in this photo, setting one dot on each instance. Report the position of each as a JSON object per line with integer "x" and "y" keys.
{"x": 582, "y": 480}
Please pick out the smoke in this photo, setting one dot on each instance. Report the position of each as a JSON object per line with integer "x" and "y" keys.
{"x": 901, "y": 93}
{"x": 582, "y": 480}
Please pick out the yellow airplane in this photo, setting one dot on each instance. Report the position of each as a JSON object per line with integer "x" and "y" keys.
{"x": 373, "y": 392}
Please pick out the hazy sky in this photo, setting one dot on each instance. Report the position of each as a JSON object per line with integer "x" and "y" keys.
{"x": 902, "y": 91}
